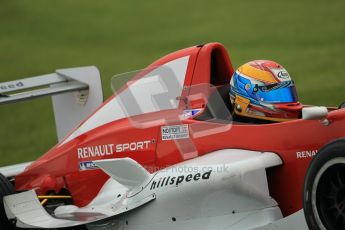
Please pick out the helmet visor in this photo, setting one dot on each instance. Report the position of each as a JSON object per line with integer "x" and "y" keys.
{"x": 284, "y": 92}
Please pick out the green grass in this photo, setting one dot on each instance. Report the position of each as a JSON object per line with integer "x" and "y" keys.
{"x": 37, "y": 37}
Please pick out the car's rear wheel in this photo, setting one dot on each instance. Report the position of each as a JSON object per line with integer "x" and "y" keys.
{"x": 6, "y": 188}
{"x": 324, "y": 188}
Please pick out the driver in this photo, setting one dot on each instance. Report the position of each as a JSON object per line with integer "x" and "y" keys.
{"x": 263, "y": 91}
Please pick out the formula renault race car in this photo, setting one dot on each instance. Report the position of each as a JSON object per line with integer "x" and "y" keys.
{"x": 164, "y": 153}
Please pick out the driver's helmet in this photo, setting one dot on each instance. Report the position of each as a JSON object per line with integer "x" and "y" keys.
{"x": 264, "y": 90}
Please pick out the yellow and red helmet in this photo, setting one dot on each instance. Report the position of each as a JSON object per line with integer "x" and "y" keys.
{"x": 264, "y": 90}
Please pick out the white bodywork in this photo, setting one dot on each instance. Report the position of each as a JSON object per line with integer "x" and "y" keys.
{"x": 226, "y": 189}
{"x": 13, "y": 170}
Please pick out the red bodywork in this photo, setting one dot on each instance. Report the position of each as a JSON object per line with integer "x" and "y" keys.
{"x": 294, "y": 141}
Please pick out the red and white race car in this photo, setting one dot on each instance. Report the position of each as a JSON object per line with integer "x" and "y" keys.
{"x": 164, "y": 153}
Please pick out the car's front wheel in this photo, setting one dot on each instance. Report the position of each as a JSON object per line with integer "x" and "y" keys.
{"x": 6, "y": 188}
{"x": 324, "y": 188}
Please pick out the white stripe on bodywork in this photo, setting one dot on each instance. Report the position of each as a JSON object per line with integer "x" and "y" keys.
{"x": 113, "y": 110}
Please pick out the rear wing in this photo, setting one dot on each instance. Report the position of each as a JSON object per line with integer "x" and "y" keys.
{"x": 76, "y": 93}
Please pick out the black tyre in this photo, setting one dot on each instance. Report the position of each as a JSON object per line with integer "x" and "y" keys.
{"x": 6, "y": 188}
{"x": 324, "y": 188}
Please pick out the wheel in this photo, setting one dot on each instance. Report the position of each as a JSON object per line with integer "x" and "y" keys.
{"x": 324, "y": 188}
{"x": 6, "y": 188}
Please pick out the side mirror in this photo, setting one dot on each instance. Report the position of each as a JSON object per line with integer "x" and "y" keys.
{"x": 184, "y": 100}
{"x": 342, "y": 105}
{"x": 315, "y": 113}
{"x": 193, "y": 101}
